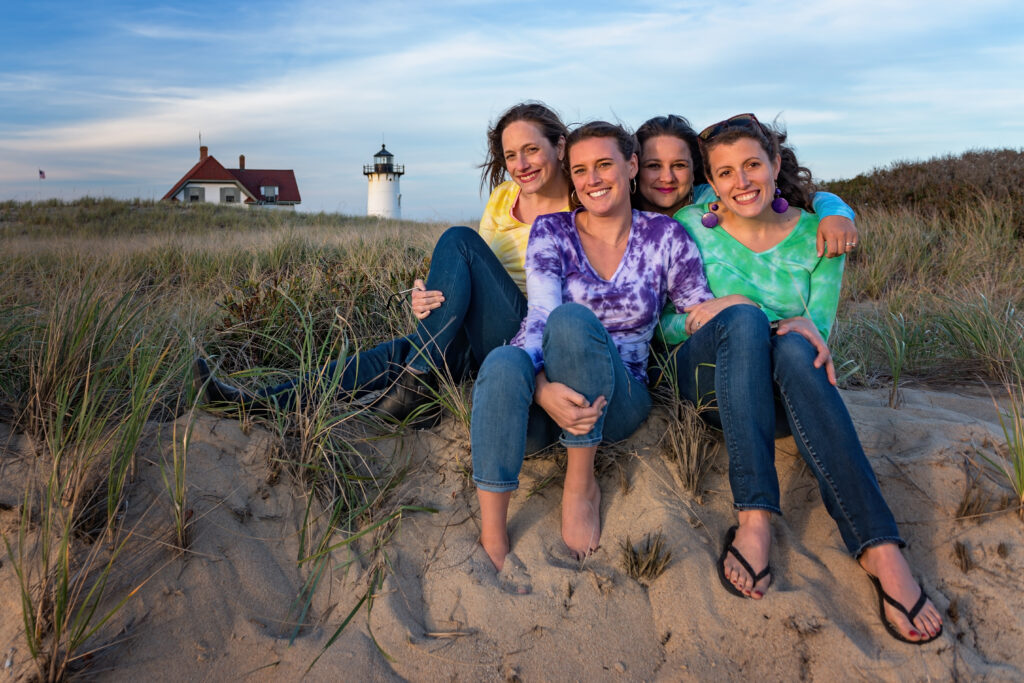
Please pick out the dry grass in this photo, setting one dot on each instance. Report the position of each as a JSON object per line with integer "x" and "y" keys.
{"x": 104, "y": 300}
{"x": 646, "y": 561}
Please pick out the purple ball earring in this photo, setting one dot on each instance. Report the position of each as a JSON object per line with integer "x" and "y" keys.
{"x": 710, "y": 220}
{"x": 779, "y": 204}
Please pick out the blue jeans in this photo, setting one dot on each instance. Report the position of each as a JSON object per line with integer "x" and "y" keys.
{"x": 507, "y": 424}
{"x": 764, "y": 385}
{"x": 482, "y": 310}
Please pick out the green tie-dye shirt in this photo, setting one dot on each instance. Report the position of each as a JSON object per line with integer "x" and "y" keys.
{"x": 788, "y": 280}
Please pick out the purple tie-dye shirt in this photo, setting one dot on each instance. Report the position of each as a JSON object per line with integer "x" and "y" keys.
{"x": 660, "y": 259}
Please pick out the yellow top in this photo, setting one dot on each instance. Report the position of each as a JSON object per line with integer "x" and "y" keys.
{"x": 504, "y": 233}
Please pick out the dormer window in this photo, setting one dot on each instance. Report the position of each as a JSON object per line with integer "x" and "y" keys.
{"x": 269, "y": 192}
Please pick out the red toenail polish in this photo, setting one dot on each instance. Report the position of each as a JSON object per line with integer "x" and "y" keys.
{"x": 914, "y": 634}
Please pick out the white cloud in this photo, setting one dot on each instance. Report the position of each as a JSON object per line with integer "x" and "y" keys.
{"x": 328, "y": 79}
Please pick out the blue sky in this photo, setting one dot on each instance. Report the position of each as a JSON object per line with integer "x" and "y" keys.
{"x": 109, "y": 98}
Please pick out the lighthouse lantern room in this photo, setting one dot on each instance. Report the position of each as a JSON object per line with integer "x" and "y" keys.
{"x": 383, "y": 197}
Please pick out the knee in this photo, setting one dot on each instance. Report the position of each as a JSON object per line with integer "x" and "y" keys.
{"x": 457, "y": 237}
{"x": 507, "y": 370}
{"x": 745, "y": 320}
{"x": 793, "y": 364}
{"x": 568, "y": 324}
{"x": 793, "y": 356}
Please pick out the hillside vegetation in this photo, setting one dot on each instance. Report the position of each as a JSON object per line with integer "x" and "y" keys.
{"x": 104, "y": 304}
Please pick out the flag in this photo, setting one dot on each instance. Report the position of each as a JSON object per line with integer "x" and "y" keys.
{"x": 42, "y": 174}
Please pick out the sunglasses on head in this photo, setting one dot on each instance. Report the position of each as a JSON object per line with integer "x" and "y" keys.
{"x": 740, "y": 121}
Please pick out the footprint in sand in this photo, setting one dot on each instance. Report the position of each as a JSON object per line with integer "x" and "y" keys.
{"x": 513, "y": 577}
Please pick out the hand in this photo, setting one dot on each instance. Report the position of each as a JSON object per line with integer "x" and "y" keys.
{"x": 837, "y": 235}
{"x": 701, "y": 314}
{"x": 568, "y": 408}
{"x": 423, "y": 300}
{"x": 805, "y": 328}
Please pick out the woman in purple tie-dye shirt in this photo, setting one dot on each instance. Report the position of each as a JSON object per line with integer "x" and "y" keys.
{"x": 596, "y": 280}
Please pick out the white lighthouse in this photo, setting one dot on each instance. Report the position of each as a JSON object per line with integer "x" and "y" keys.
{"x": 383, "y": 198}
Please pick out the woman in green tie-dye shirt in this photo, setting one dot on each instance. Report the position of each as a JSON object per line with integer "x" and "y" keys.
{"x": 757, "y": 355}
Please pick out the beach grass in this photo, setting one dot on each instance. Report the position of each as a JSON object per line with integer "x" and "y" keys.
{"x": 646, "y": 561}
{"x": 106, "y": 303}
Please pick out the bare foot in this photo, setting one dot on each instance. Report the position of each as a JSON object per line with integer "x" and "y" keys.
{"x": 886, "y": 563}
{"x": 581, "y": 518}
{"x": 497, "y": 547}
{"x": 753, "y": 541}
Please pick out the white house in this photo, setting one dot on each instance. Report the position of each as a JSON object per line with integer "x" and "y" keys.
{"x": 208, "y": 181}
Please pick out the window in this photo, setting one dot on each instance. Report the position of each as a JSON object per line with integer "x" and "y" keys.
{"x": 269, "y": 193}
{"x": 229, "y": 195}
{"x": 195, "y": 194}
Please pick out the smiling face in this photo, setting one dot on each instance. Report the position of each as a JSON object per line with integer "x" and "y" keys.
{"x": 743, "y": 176}
{"x": 530, "y": 158}
{"x": 601, "y": 175}
{"x": 666, "y": 173}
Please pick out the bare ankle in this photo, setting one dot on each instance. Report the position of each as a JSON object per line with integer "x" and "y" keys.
{"x": 755, "y": 519}
{"x": 497, "y": 547}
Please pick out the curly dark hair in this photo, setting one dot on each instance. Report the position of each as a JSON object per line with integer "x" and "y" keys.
{"x": 676, "y": 127}
{"x": 794, "y": 180}
{"x": 537, "y": 113}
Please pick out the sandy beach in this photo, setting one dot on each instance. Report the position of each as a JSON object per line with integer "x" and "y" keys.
{"x": 227, "y": 608}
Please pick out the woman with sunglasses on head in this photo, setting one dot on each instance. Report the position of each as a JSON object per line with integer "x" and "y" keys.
{"x": 671, "y": 176}
{"x": 597, "y": 278}
{"x": 758, "y": 351}
{"x": 474, "y": 296}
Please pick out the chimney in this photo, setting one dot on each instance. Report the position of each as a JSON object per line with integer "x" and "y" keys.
{"x": 241, "y": 162}
{"x": 203, "y": 152}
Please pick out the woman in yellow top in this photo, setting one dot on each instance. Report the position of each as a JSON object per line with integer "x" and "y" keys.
{"x": 474, "y": 296}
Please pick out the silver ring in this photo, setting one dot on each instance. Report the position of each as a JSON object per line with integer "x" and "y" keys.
{"x": 851, "y": 244}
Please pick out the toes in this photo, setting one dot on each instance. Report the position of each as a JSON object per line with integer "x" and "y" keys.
{"x": 929, "y": 622}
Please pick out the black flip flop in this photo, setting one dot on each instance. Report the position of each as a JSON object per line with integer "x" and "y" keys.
{"x": 910, "y": 614}
{"x": 728, "y": 547}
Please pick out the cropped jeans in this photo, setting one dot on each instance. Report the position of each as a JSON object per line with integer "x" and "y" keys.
{"x": 506, "y": 423}
{"x": 482, "y": 310}
{"x": 762, "y": 386}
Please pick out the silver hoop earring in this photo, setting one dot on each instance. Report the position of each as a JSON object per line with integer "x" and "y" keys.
{"x": 574, "y": 198}
{"x": 632, "y": 186}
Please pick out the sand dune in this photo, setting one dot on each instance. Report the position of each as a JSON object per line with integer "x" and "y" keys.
{"x": 227, "y": 608}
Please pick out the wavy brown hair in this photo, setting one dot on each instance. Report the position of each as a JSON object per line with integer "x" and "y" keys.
{"x": 537, "y": 113}
{"x": 794, "y": 180}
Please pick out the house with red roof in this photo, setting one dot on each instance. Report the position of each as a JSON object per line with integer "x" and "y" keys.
{"x": 208, "y": 181}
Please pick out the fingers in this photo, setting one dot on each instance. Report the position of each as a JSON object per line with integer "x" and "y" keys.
{"x": 830, "y": 370}
{"x": 583, "y": 419}
{"x": 837, "y": 235}
{"x": 576, "y": 398}
{"x": 424, "y": 301}
{"x": 808, "y": 332}
{"x": 824, "y": 359}
{"x": 832, "y": 247}
{"x": 848, "y": 242}
{"x": 694, "y": 322}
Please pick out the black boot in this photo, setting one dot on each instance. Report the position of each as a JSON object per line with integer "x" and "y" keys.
{"x": 223, "y": 395}
{"x": 410, "y": 394}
